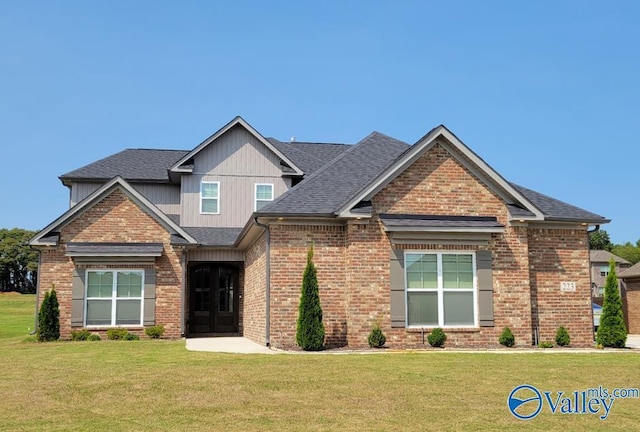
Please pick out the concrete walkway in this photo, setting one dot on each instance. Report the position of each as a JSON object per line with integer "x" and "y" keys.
{"x": 241, "y": 345}
{"x": 236, "y": 345}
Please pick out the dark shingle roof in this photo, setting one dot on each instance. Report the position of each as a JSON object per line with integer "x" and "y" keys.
{"x": 310, "y": 157}
{"x": 329, "y": 188}
{"x": 130, "y": 164}
{"x": 214, "y": 236}
{"x": 554, "y": 209}
{"x": 439, "y": 221}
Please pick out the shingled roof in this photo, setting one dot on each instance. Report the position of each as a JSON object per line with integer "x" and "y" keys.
{"x": 327, "y": 189}
{"x": 554, "y": 209}
{"x": 146, "y": 165}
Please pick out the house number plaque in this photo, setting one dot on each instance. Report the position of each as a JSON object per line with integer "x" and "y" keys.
{"x": 567, "y": 286}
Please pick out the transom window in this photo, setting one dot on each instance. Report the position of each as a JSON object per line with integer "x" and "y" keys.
{"x": 263, "y": 195}
{"x": 440, "y": 289}
{"x": 210, "y": 197}
{"x": 114, "y": 297}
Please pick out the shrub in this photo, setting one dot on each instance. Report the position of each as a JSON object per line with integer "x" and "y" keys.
{"x": 437, "y": 338}
{"x": 80, "y": 335}
{"x": 49, "y": 318}
{"x": 94, "y": 337}
{"x": 309, "y": 327}
{"x": 612, "y": 331}
{"x": 506, "y": 338}
{"x": 562, "y": 337}
{"x": 545, "y": 344}
{"x": 116, "y": 333}
{"x": 376, "y": 338}
{"x": 154, "y": 332}
{"x": 131, "y": 336}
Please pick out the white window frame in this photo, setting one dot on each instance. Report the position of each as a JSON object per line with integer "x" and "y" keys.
{"x": 114, "y": 297}
{"x": 255, "y": 195}
{"x": 440, "y": 289}
{"x": 202, "y": 183}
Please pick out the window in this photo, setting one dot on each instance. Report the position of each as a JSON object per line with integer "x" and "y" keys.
{"x": 604, "y": 271}
{"x": 440, "y": 289}
{"x": 210, "y": 197}
{"x": 264, "y": 195}
{"x": 114, "y": 297}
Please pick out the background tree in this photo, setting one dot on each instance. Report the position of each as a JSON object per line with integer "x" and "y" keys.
{"x": 628, "y": 251}
{"x": 612, "y": 332}
{"x": 309, "y": 328}
{"x": 49, "y": 318}
{"x": 599, "y": 240}
{"x": 18, "y": 262}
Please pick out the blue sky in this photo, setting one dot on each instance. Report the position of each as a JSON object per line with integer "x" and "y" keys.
{"x": 546, "y": 92}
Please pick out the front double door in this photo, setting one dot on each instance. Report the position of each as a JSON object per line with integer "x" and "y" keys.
{"x": 213, "y": 297}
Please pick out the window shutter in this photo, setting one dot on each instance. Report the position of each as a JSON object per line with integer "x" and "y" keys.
{"x": 396, "y": 270}
{"x": 77, "y": 298}
{"x": 485, "y": 288}
{"x": 149, "y": 297}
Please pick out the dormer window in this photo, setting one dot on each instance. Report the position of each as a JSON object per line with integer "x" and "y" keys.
{"x": 263, "y": 195}
{"x": 210, "y": 197}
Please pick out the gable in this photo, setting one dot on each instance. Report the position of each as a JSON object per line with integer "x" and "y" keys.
{"x": 50, "y": 234}
{"x": 114, "y": 219}
{"x": 237, "y": 152}
{"x": 438, "y": 184}
{"x": 186, "y": 163}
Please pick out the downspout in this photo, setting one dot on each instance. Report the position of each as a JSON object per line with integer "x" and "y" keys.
{"x": 267, "y": 251}
{"x": 597, "y": 227}
{"x": 183, "y": 264}
{"x": 35, "y": 315}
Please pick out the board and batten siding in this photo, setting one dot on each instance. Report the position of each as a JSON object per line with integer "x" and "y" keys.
{"x": 238, "y": 161}
{"x": 215, "y": 255}
{"x": 164, "y": 196}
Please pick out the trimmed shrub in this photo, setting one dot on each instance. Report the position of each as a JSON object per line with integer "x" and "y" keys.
{"x": 506, "y": 338}
{"x": 131, "y": 336}
{"x": 154, "y": 332}
{"x": 94, "y": 337}
{"x": 612, "y": 331}
{"x": 117, "y": 333}
{"x": 545, "y": 344}
{"x": 80, "y": 335}
{"x": 437, "y": 338}
{"x": 309, "y": 327}
{"x": 49, "y": 318}
{"x": 376, "y": 338}
{"x": 562, "y": 337}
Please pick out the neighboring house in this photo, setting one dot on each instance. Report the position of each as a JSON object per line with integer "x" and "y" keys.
{"x": 213, "y": 241}
{"x": 599, "y": 261}
{"x": 631, "y": 279}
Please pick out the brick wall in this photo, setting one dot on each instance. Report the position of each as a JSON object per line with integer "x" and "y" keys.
{"x": 115, "y": 219}
{"x": 555, "y": 256}
{"x": 289, "y": 246}
{"x": 254, "y": 297}
{"x": 633, "y": 305}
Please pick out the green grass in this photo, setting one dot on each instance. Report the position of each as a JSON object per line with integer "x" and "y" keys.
{"x": 158, "y": 385}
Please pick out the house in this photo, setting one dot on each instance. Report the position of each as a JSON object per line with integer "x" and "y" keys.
{"x": 214, "y": 240}
{"x": 599, "y": 264}
{"x": 630, "y": 277}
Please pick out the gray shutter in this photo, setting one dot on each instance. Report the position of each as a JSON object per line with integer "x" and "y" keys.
{"x": 485, "y": 288}
{"x": 77, "y": 298}
{"x": 396, "y": 270}
{"x": 149, "y": 297}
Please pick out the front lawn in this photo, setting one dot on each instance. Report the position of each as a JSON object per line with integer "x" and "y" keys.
{"x": 158, "y": 385}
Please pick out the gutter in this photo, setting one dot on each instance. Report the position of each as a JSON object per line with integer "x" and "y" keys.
{"x": 267, "y": 337}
